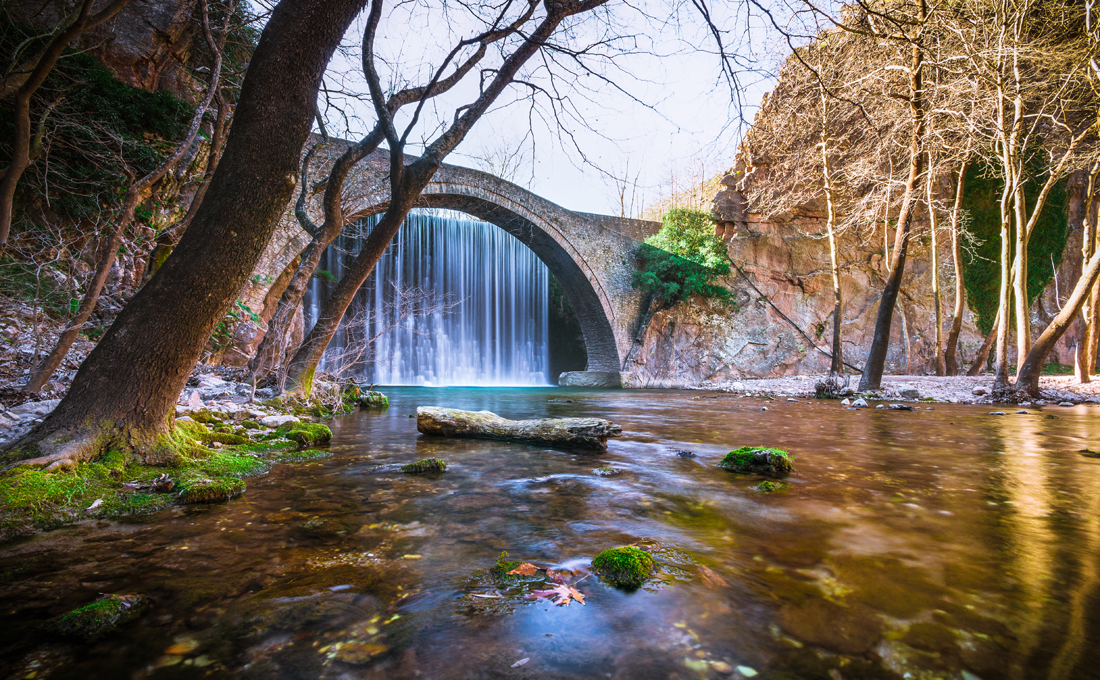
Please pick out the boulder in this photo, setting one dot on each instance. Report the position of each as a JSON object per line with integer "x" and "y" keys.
{"x": 859, "y": 403}
{"x": 980, "y": 391}
{"x": 591, "y": 379}
{"x": 908, "y": 392}
{"x": 585, "y": 433}
{"x": 276, "y": 421}
{"x": 33, "y": 408}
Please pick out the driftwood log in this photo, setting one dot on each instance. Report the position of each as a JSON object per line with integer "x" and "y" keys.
{"x": 581, "y": 433}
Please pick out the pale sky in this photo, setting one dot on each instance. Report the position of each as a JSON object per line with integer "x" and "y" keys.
{"x": 668, "y": 110}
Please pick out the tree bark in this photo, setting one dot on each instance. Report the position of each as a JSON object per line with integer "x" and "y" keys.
{"x": 880, "y": 342}
{"x": 951, "y": 362}
{"x": 936, "y": 301}
{"x": 125, "y": 392}
{"x": 836, "y": 363}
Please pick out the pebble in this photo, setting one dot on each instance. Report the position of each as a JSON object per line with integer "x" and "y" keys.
{"x": 763, "y": 408}
{"x": 996, "y": 413}
{"x": 790, "y": 400}
{"x": 1066, "y": 403}
{"x": 1021, "y": 413}
{"x": 879, "y": 406}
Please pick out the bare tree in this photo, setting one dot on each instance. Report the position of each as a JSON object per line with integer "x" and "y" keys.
{"x": 136, "y": 193}
{"x": 22, "y": 82}
{"x": 408, "y": 177}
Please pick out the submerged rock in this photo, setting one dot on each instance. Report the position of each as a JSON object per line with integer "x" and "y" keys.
{"x": 587, "y": 433}
{"x": 93, "y": 621}
{"x": 755, "y": 459}
{"x": 426, "y": 465}
{"x": 606, "y": 471}
{"x": 626, "y": 567}
{"x": 770, "y": 487}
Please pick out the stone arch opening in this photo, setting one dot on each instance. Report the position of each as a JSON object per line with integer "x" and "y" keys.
{"x": 545, "y": 240}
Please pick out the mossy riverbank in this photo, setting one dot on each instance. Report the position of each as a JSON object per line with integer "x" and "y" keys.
{"x": 211, "y": 468}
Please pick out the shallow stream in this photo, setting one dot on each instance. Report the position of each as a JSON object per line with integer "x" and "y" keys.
{"x": 939, "y": 543}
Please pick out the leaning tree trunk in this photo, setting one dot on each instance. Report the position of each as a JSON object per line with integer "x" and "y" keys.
{"x": 1027, "y": 381}
{"x": 125, "y": 392}
{"x": 134, "y": 196}
{"x": 307, "y": 358}
{"x": 983, "y": 352}
{"x": 951, "y": 362}
{"x": 880, "y": 342}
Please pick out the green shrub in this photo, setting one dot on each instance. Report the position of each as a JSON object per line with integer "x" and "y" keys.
{"x": 683, "y": 259}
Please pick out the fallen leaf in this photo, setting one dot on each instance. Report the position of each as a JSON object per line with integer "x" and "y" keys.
{"x": 560, "y": 595}
{"x": 93, "y": 506}
{"x": 521, "y": 662}
{"x": 711, "y": 578}
{"x": 525, "y": 569}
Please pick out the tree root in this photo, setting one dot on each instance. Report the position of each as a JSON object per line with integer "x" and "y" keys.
{"x": 65, "y": 457}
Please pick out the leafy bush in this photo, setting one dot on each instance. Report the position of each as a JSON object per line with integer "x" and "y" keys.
{"x": 683, "y": 258}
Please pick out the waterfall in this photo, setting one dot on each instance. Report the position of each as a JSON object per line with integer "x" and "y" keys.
{"x": 453, "y": 301}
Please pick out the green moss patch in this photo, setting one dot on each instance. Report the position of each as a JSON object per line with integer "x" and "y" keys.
{"x": 606, "y": 471}
{"x": 301, "y": 456}
{"x": 250, "y": 424}
{"x": 503, "y": 566}
{"x": 93, "y": 621}
{"x": 626, "y": 567}
{"x": 305, "y": 434}
{"x": 757, "y": 459}
{"x": 770, "y": 487}
{"x": 426, "y": 465}
{"x": 196, "y": 488}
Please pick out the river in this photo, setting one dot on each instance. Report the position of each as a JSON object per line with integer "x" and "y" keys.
{"x": 938, "y": 543}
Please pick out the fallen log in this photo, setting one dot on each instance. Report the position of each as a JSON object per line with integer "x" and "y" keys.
{"x": 581, "y": 433}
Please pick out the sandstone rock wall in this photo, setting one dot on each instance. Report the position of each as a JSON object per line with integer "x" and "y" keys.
{"x": 706, "y": 343}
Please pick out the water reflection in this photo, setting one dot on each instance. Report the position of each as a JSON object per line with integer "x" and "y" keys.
{"x": 936, "y": 543}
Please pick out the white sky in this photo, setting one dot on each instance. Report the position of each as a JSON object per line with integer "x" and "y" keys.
{"x": 669, "y": 110}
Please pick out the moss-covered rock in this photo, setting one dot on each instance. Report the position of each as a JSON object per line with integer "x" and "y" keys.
{"x": 770, "y": 487}
{"x": 626, "y": 567}
{"x": 199, "y": 489}
{"x": 274, "y": 402}
{"x": 373, "y": 400}
{"x": 205, "y": 416}
{"x": 93, "y": 621}
{"x": 305, "y": 434}
{"x": 250, "y": 424}
{"x": 426, "y": 465}
{"x": 757, "y": 459}
{"x": 503, "y": 566}
{"x": 606, "y": 471}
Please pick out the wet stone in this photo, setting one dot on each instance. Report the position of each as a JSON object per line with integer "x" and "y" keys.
{"x": 847, "y": 630}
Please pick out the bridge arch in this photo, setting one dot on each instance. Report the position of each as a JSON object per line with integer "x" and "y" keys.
{"x": 590, "y": 255}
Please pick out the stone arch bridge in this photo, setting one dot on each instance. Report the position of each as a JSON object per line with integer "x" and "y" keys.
{"x": 591, "y": 256}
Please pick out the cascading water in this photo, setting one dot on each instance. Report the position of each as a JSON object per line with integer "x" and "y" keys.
{"x": 453, "y": 301}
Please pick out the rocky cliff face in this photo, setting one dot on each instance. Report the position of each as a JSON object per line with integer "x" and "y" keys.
{"x": 706, "y": 343}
